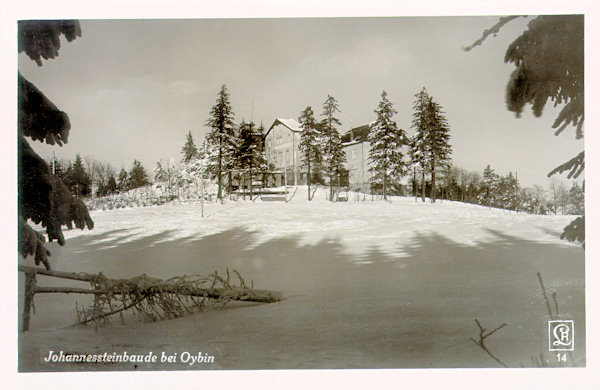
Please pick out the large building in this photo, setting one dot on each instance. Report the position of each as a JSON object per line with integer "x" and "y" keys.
{"x": 282, "y": 149}
{"x": 357, "y": 146}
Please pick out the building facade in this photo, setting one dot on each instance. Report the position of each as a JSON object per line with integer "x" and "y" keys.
{"x": 282, "y": 149}
{"x": 357, "y": 146}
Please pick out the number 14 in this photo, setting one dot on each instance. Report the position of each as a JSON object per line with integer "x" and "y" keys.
{"x": 561, "y": 357}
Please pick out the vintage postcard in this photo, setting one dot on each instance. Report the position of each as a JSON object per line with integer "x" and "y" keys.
{"x": 301, "y": 193}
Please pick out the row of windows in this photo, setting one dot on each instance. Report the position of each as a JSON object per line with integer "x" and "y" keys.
{"x": 278, "y": 136}
{"x": 278, "y": 157}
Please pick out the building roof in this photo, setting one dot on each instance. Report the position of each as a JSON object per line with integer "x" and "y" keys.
{"x": 355, "y": 135}
{"x": 291, "y": 124}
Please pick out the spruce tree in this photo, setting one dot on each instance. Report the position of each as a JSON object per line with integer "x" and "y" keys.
{"x": 123, "y": 181}
{"x": 222, "y": 134}
{"x": 250, "y": 154}
{"x": 490, "y": 180}
{"x": 137, "y": 176}
{"x": 387, "y": 140}
{"x": 310, "y": 144}
{"x": 77, "y": 179}
{"x": 43, "y": 197}
{"x": 189, "y": 149}
{"x": 549, "y": 63}
{"x": 418, "y": 144}
{"x": 111, "y": 184}
{"x": 576, "y": 200}
{"x": 334, "y": 155}
{"x": 430, "y": 148}
{"x": 437, "y": 141}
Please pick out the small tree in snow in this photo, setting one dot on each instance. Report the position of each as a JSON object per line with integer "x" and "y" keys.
{"x": 137, "y": 175}
{"x": 166, "y": 174}
{"x": 123, "y": 181}
{"x": 490, "y": 187}
{"x": 189, "y": 149}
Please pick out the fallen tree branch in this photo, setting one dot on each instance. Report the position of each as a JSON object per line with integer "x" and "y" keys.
{"x": 151, "y": 298}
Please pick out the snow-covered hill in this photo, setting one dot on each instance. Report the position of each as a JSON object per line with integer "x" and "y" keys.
{"x": 359, "y": 223}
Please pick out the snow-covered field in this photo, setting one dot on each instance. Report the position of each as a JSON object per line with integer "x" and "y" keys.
{"x": 369, "y": 284}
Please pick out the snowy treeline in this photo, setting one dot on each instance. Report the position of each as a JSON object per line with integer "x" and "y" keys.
{"x": 172, "y": 182}
{"x": 491, "y": 189}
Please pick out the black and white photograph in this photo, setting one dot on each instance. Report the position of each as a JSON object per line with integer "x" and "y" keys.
{"x": 255, "y": 193}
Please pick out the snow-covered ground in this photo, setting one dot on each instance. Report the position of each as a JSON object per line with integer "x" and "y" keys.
{"x": 368, "y": 283}
{"x": 362, "y": 222}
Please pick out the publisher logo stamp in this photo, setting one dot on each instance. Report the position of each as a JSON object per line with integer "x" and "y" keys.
{"x": 561, "y": 335}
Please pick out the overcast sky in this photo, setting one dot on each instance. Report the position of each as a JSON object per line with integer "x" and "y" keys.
{"x": 134, "y": 88}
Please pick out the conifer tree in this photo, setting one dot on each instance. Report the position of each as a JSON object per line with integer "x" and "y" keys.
{"x": 250, "y": 153}
{"x": 430, "y": 148}
{"x": 387, "y": 140}
{"x": 576, "y": 200}
{"x": 189, "y": 149}
{"x": 418, "y": 145}
{"x": 222, "y": 134}
{"x": 549, "y": 63}
{"x": 310, "y": 144}
{"x": 77, "y": 179}
{"x": 123, "y": 181}
{"x": 334, "y": 155}
{"x": 490, "y": 179}
{"x": 43, "y": 198}
{"x": 437, "y": 141}
{"x": 137, "y": 176}
{"x": 111, "y": 184}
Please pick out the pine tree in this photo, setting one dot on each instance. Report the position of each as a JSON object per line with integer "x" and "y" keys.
{"x": 549, "y": 63}
{"x": 250, "y": 153}
{"x": 222, "y": 134}
{"x": 111, "y": 184}
{"x": 137, "y": 176}
{"x": 576, "y": 200}
{"x": 334, "y": 155}
{"x": 490, "y": 180}
{"x": 310, "y": 143}
{"x": 418, "y": 144}
{"x": 430, "y": 148}
{"x": 43, "y": 198}
{"x": 189, "y": 149}
{"x": 123, "y": 181}
{"x": 437, "y": 140}
{"x": 386, "y": 141}
{"x": 77, "y": 179}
